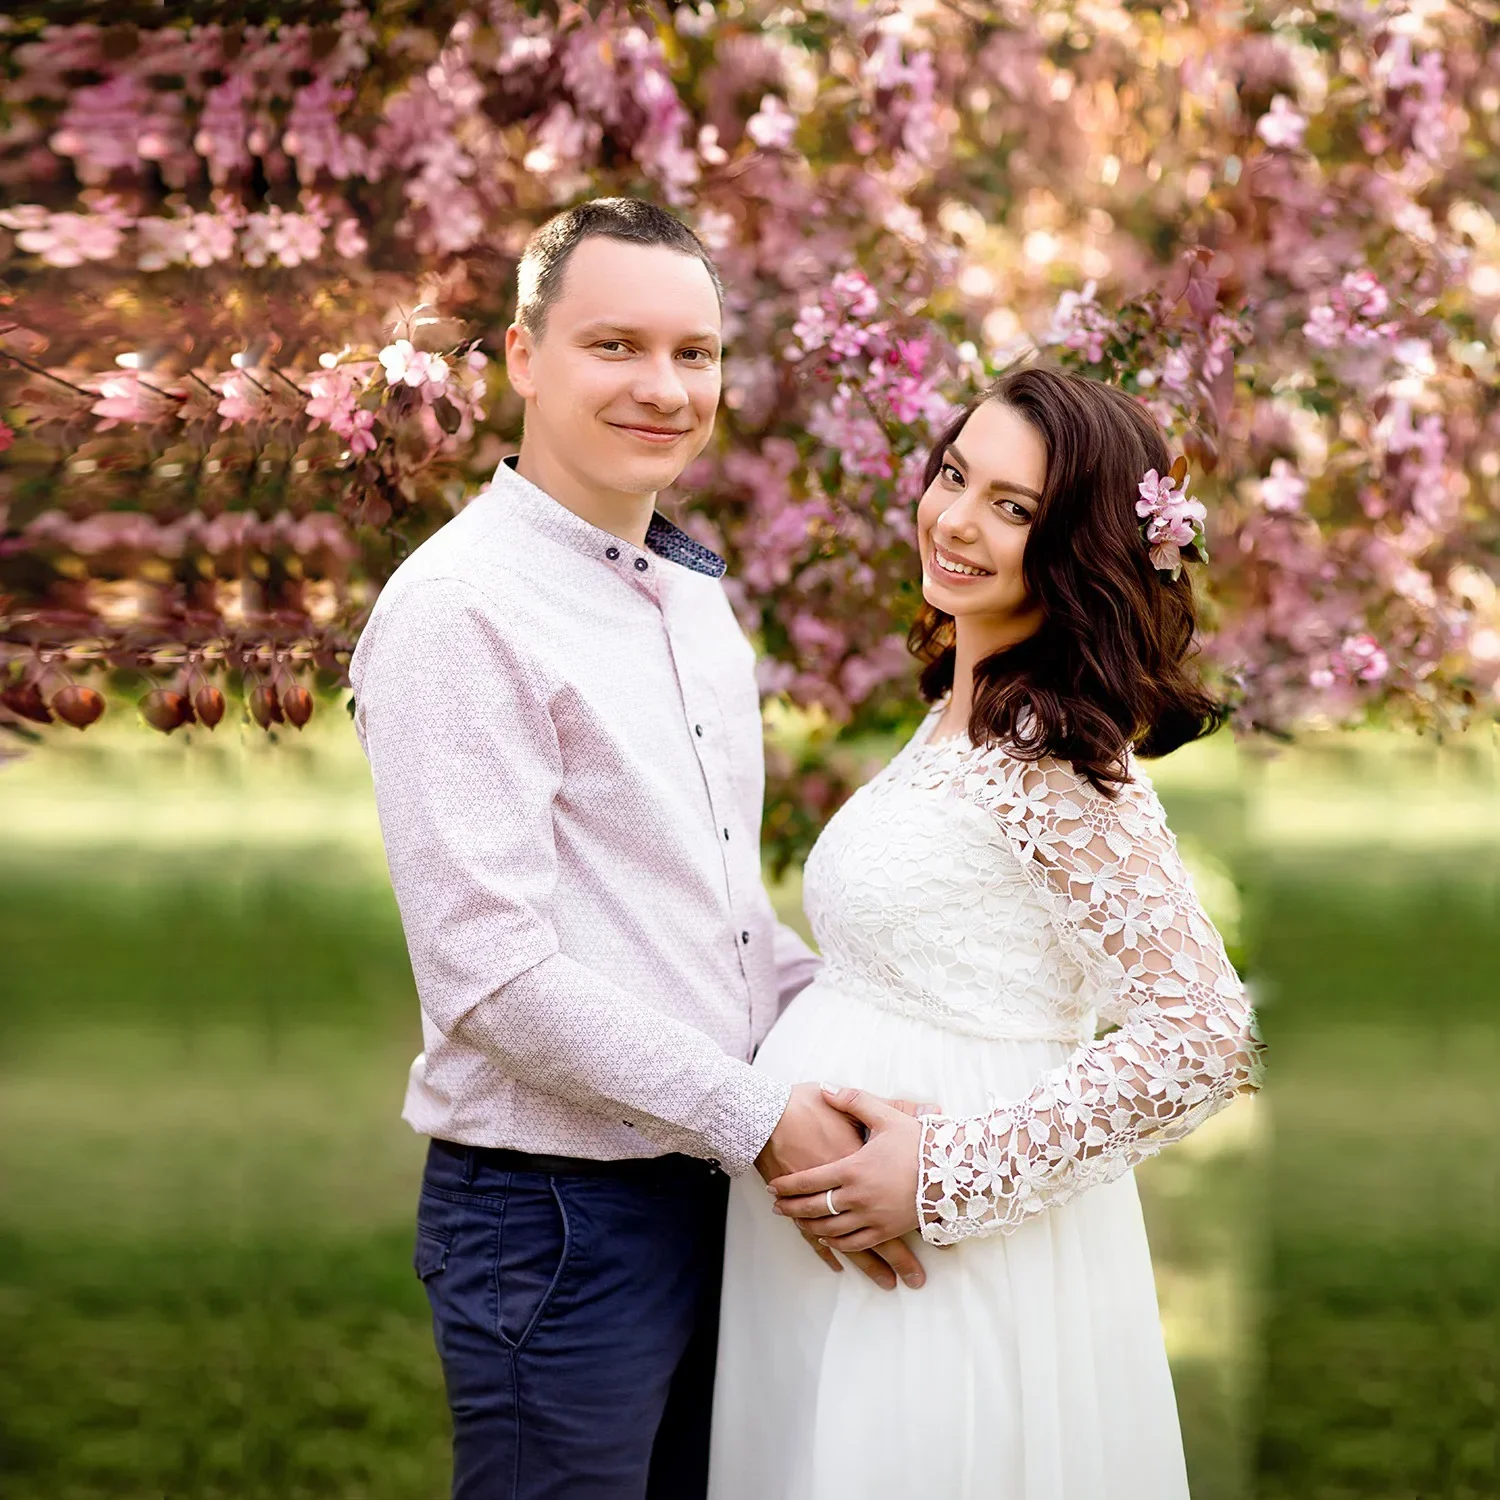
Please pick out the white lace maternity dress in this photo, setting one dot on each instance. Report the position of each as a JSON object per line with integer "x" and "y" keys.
{"x": 979, "y": 917}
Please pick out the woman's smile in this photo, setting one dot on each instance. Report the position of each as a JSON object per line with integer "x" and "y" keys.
{"x": 955, "y": 567}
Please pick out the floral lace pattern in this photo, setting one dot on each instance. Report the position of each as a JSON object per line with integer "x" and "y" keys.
{"x": 914, "y": 912}
{"x": 1122, "y": 913}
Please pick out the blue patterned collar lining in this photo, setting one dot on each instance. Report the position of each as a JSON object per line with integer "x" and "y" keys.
{"x": 667, "y": 541}
{"x": 675, "y": 545}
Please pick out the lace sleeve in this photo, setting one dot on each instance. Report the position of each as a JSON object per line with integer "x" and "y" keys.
{"x": 1186, "y": 1044}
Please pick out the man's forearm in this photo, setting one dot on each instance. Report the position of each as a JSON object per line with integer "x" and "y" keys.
{"x": 568, "y": 1030}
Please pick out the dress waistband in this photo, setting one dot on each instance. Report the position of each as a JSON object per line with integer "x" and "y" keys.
{"x": 921, "y": 1005}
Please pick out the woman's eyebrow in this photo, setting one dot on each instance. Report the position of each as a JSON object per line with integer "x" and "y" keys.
{"x": 1014, "y": 488}
{"x": 995, "y": 484}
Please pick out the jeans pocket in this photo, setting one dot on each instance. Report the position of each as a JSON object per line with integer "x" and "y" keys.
{"x": 530, "y": 1256}
{"x": 431, "y": 1253}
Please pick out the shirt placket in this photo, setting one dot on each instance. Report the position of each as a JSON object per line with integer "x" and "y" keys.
{"x": 709, "y": 733}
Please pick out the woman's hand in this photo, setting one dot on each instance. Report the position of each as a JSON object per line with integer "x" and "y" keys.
{"x": 874, "y": 1192}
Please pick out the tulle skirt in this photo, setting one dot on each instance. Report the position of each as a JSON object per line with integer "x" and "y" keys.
{"x": 1030, "y": 1367}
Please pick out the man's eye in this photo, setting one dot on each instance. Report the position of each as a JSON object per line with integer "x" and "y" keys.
{"x": 610, "y": 346}
{"x": 699, "y": 356}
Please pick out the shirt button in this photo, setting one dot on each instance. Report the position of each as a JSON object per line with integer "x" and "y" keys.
{"x": 641, "y": 565}
{"x": 612, "y": 553}
{"x": 698, "y": 730}
{"x": 745, "y": 938}
{"x": 726, "y": 834}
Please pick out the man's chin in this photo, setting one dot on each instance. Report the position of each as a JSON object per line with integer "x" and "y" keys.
{"x": 644, "y": 473}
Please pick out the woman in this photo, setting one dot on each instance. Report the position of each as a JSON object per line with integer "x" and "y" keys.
{"x": 1003, "y": 887}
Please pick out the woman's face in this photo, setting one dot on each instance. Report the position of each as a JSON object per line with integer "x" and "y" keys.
{"x": 973, "y": 522}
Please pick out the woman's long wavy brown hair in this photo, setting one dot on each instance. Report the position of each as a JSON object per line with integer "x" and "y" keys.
{"x": 1110, "y": 668}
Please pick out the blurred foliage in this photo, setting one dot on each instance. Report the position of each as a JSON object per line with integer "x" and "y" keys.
{"x": 206, "y": 1228}
{"x": 1277, "y": 226}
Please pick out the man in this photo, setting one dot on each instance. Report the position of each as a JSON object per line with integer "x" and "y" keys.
{"x": 562, "y": 722}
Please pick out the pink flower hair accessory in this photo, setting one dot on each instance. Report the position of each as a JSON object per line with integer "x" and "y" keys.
{"x": 1171, "y": 520}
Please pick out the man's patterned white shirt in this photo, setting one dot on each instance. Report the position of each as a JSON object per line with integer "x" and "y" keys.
{"x": 565, "y": 737}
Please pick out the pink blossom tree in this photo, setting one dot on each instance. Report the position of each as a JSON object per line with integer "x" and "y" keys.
{"x": 255, "y": 279}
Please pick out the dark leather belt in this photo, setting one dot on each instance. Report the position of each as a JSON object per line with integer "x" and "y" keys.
{"x": 638, "y": 1168}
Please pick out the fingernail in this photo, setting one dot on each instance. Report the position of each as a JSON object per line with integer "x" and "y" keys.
{"x": 914, "y": 1280}
{"x": 830, "y": 1088}
{"x": 823, "y": 1243}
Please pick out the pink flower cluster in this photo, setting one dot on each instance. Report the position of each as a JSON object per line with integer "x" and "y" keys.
{"x": 1360, "y": 659}
{"x": 334, "y": 399}
{"x": 186, "y": 237}
{"x": 63, "y": 239}
{"x": 905, "y": 80}
{"x": 800, "y": 140}
{"x": 319, "y": 533}
{"x": 879, "y": 373}
{"x": 406, "y": 365}
{"x": 1283, "y": 127}
{"x": 1284, "y": 489}
{"x": 1423, "y": 447}
{"x": 123, "y": 398}
{"x": 1352, "y": 315}
{"x": 1172, "y": 521}
{"x": 1422, "y": 90}
{"x": 839, "y": 319}
{"x": 1078, "y": 322}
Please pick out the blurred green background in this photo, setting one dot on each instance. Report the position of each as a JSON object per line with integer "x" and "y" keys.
{"x": 206, "y": 1214}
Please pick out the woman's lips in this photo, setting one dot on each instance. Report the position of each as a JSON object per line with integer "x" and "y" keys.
{"x": 940, "y": 556}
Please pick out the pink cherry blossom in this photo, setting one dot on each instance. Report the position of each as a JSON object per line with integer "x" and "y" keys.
{"x": 773, "y": 125}
{"x": 405, "y": 365}
{"x": 1172, "y": 520}
{"x": 1264, "y": 288}
{"x": 122, "y": 398}
{"x": 1284, "y": 489}
{"x": 331, "y": 398}
{"x": 67, "y": 239}
{"x": 361, "y": 433}
{"x": 1282, "y": 128}
{"x": 1362, "y": 657}
{"x": 1078, "y": 322}
{"x": 241, "y": 400}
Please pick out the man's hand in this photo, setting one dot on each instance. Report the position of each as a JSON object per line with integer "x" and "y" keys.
{"x": 872, "y": 1194}
{"x": 810, "y": 1133}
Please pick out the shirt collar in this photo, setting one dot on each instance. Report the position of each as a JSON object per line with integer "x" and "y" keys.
{"x": 668, "y": 542}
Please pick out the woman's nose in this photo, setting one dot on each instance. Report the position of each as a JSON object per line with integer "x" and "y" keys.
{"x": 957, "y": 524}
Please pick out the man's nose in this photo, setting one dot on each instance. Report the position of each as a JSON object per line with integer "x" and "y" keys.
{"x": 660, "y": 385}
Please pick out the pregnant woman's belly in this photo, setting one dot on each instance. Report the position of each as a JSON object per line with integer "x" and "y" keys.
{"x": 828, "y": 1036}
{"x": 1029, "y": 1367}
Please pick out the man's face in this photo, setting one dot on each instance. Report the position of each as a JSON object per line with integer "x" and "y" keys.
{"x": 622, "y": 387}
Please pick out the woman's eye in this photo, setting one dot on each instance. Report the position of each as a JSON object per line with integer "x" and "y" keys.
{"x": 951, "y": 474}
{"x": 1015, "y": 510}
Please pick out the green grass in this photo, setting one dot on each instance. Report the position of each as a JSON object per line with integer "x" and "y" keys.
{"x": 205, "y": 1218}
{"x": 1380, "y": 1327}
{"x": 205, "y": 1238}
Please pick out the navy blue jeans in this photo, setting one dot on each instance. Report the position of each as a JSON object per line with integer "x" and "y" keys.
{"x": 576, "y": 1318}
